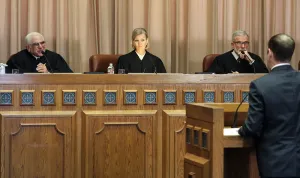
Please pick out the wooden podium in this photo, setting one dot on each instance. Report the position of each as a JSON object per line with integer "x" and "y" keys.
{"x": 210, "y": 153}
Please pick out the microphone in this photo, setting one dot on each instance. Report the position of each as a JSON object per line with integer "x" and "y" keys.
{"x": 250, "y": 59}
{"x": 44, "y": 53}
{"x": 248, "y": 56}
{"x": 236, "y": 111}
{"x": 153, "y": 65}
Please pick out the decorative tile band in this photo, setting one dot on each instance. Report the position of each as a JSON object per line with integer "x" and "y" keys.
{"x": 89, "y": 97}
{"x": 6, "y": 97}
{"x": 189, "y": 96}
{"x": 48, "y": 98}
{"x": 228, "y": 96}
{"x": 130, "y": 97}
{"x": 110, "y": 97}
{"x": 69, "y": 97}
{"x": 209, "y": 96}
{"x": 27, "y": 97}
{"x": 169, "y": 97}
{"x": 150, "y": 97}
{"x": 245, "y": 95}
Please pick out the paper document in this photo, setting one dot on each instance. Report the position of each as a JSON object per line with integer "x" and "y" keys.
{"x": 231, "y": 131}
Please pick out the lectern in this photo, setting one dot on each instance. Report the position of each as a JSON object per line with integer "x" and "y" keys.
{"x": 209, "y": 152}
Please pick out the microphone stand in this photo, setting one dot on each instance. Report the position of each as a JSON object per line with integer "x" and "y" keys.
{"x": 51, "y": 70}
{"x": 155, "y": 71}
{"x": 236, "y": 112}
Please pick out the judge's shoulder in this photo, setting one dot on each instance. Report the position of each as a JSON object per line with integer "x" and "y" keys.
{"x": 225, "y": 55}
{"x": 21, "y": 53}
{"x": 128, "y": 55}
{"x": 153, "y": 56}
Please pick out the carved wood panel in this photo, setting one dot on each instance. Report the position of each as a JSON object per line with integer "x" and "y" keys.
{"x": 119, "y": 144}
{"x": 37, "y": 144}
{"x": 173, "y": 143}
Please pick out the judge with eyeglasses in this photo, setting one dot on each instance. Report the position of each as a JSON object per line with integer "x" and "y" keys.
{"x": 238, "y": 60}
{"x": 36, "y": 58}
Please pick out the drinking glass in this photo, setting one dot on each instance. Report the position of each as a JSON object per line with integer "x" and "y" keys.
{"x": 121, "y": 71}
{"x": 15, "y": 71}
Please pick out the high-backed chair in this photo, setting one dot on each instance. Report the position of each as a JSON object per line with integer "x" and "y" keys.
{"x": 208, "y": 60}
{"x": 100, "y": 62}
{"x": 299, "y": 65}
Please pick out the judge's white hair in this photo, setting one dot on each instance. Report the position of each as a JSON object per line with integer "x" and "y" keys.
{"x": 239, "y": 33}
{"x": 29, "y": 36}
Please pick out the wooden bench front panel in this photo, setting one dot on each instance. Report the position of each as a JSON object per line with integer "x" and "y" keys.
{"x": 37, "y": 144}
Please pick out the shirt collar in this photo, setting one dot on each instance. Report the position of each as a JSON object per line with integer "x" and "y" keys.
{"x": 36, "y": 57}
{"x": 235, "y": 55}
{"x": 140, "y": 56}
{"x": 281, "y": 64}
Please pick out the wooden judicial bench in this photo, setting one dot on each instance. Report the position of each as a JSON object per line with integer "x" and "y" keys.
{"x": 108, "y": 126}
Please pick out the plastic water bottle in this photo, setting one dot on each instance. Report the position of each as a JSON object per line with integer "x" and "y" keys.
{"x": 2, "y": 68}
{"x": 110, "y": 69}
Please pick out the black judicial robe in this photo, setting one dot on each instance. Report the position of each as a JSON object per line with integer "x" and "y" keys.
{"x": 226, "y": 63}
{"x": 132, "y": 63}
{"x": 26, "y": 63}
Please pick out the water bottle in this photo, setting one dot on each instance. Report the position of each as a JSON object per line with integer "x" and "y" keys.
{"x": 2, "y": 68}
{"x": 110, "y": 69}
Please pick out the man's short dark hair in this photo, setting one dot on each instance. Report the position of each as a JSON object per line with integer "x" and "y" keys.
{"x": 282, "y": 46}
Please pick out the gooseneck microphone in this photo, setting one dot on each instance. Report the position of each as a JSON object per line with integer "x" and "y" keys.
{"x": 236, "y": 111}
{"x": 155, "y": 71}
{"x": 44, "y": 53}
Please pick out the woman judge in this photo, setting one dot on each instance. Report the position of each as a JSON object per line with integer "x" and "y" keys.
{"x": 140, "y": 60}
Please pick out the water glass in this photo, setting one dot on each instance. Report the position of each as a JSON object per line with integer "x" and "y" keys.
{"x": 15, "y": 71}
{"x": 121, "y": 71}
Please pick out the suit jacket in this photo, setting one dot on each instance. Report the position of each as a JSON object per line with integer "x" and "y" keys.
{"x": 274, "y": 122}
{"x": 26, "y": 63}
{"x": 133, "y": 64}
{"x": 226, "y": 63}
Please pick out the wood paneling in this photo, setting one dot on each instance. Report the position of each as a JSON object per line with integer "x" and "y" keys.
{"x": 37, "y": 144}
{"x": 173, "y": 143}
{"x": 228, "y": 156}
{"x": 119, "y": 144}
{"x": 81, "y": 83}
{"x": 196, "y": 167}
{"x": 108, "y": 79}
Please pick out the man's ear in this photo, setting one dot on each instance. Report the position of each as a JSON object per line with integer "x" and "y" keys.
{"x": 269, "y": 52}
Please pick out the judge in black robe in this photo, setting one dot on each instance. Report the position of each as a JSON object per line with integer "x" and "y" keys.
{"x": 133, "y": 64}
{"x": 238, "y": 59}
{"x": 140, "y": 60}
{"x": 230, "y": 62}
{"x": 35, "y": 58}
{"x": 27, "y": 63}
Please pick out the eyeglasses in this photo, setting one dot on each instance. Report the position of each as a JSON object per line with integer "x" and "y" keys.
{"x": 39, "y": 43}
{"x": 242, "y": 43}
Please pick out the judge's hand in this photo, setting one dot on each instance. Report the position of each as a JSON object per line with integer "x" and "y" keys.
{"x": 42, "y": 68}
{"x": 234, "y": 72}
{"x": 248, "y": 57}
{"x": 245, "y": 56}
{"x": 241, "y": 55}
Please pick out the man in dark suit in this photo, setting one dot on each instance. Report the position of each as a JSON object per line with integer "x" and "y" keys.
{"x": 274, "y": 113}
{"x": 238, "y": 60}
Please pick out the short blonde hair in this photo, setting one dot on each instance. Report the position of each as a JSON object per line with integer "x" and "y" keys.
{"x": 139, "y": 31}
